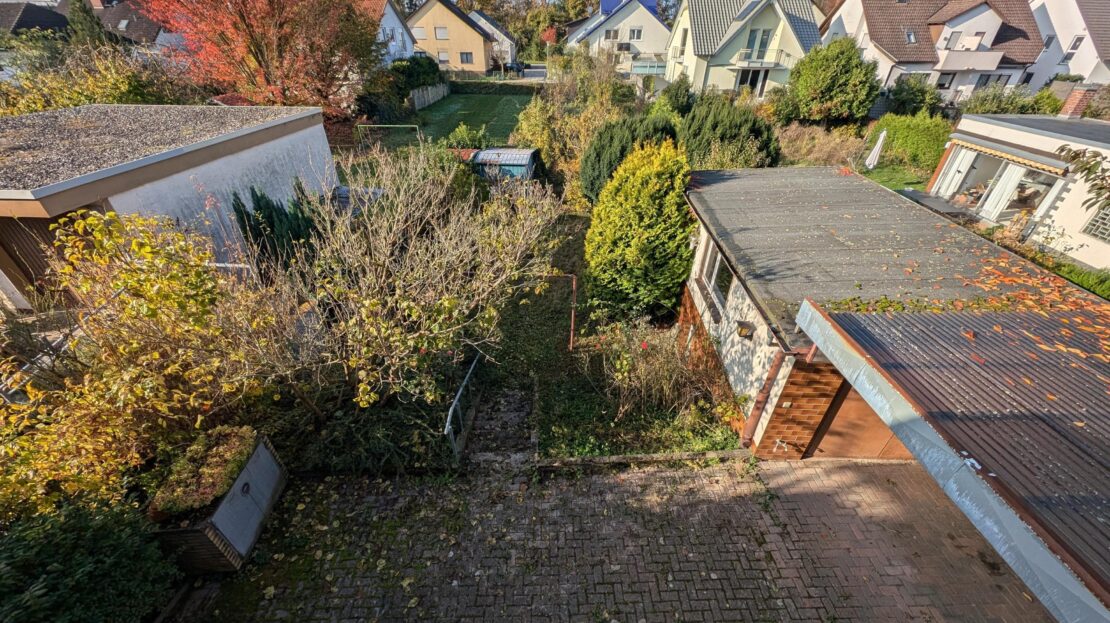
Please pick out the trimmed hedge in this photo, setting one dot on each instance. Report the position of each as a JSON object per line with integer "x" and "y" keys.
{"x": 916, "y": 140}
{"x": 491, "y": 87}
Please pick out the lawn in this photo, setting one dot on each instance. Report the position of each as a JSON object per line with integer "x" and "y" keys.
{"x": 897, "y": 177}
{"x": 497, "y": 112}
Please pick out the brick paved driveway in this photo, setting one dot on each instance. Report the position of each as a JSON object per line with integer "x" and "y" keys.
{"x": 815, "y": 541}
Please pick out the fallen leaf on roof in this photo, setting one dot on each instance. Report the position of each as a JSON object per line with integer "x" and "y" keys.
{"x": 977, "y": 359}
{"x": 969, "y": 334}
{"x": 1080, "y": 424}
{"x": 1050, "y": 396}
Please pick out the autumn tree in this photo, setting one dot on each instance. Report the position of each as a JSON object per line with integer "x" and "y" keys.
{"x": 279, "y": 51}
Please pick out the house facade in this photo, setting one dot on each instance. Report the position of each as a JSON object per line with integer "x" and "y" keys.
{"x": 182, "y": 162}
{"x": 1004, "y": 169}
{"x": 731, "y": 45}
{"x": 393, "y": 33}
{"x": 958, "y": 45}
{"x": 631, "y": 30}
{"x": 20, "y": 17}
{"x": 1076, "y": 40}
{"x": 444, "y": 32}
{"x": 504, "y": 44}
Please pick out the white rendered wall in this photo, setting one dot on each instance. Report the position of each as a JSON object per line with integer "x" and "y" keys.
{"x": 1062, "y": 19}
{"x": 201, "y": 197}
{"x": 395, "y": 35}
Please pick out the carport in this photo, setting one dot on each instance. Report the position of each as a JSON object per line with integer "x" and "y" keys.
{"x": 1009, "y": 413}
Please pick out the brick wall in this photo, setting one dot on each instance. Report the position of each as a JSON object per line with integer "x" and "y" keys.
{"x": 809, "y": 391}
{"x": 700, "y": 353}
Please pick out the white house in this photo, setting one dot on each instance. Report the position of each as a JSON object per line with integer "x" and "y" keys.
{"x": 504, "y": 44}
{"x": 632, "y": 30}
{"x": 393, "y": 32}
{"x": 1004, "y": 169}
{"x": 1076, "y": 40}
{"x": 184, "y": 162}
{"x": 960, "y": 45}
{"x": 732, "y": 44}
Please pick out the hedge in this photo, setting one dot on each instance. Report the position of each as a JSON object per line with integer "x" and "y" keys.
{"x": 916, "y": 140}
{"x": 491, "y": 87}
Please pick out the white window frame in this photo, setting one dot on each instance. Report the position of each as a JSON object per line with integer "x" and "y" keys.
{"x": 612, "y": 34}
{"x": 1069, "y": 53}
{"x": 636, "y": 33}
{"x": 953, "y": 39}
{"x": 941, "y": 85}
{"x": 442, "y": 30}
{"x": 419, "y": 33}
{"x": 444, "y": 57}
{"x": 714, "y": 261}
{"x": 911, "y": 37}
{"x": 1048, "y": 41}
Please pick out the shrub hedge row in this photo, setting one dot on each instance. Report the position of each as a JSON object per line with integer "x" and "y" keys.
{"x": 490, "y": 87}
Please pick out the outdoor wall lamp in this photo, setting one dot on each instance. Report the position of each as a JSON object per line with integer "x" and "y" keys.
{"x": 745, "y": 329}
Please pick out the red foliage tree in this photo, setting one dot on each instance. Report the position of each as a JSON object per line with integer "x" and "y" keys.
{"x": 275, "y": 51}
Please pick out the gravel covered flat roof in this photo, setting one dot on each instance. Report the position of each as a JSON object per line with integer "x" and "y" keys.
{"x": 45, "y": 148}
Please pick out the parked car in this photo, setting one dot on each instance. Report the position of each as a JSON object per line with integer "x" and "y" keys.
{"x": 515, "y": 67}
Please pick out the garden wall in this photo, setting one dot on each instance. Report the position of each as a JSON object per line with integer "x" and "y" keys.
{"x": 423, "y": 97}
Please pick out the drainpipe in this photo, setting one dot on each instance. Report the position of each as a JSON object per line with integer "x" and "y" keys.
{"x": 759, "y": 407}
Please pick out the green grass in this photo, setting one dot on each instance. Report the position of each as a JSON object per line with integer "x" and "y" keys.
{"x": 897, "y": 177}
{"x": 572, "y": 414}
{"x": 497, "y": 112}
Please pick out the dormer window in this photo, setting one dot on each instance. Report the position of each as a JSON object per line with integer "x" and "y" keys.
{"x": 911, "y": 37}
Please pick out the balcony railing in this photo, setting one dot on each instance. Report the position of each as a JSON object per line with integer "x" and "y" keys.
{"x": 677, "y": 52}
{"x": 749, "y": 58}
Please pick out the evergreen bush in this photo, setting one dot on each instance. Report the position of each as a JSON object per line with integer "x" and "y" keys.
{"x": 82, "y": 564}
{"x": 915, "y": 140}
{"x": 716, "y": 119}
{"x": 613, "y": 142}
{"x": 638, "y": 245}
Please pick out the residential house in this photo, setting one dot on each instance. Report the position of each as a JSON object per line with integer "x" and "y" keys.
{"x": 1076, "y": 40}
{"x": 504, "y": 44}
{"x": 789, "y": 260}
{"x": 19, "y": 17}
{"x": 184, "y": 162}
{"x": 729, "y": 45}
{"x": 444, "y": 32}
{"x": 959, "y": 45}
{"x": 127, "y": 20}
{"x": 631, "y": 30}
{"x": 1004, "y": 169}
{"x": 393, "y": 32}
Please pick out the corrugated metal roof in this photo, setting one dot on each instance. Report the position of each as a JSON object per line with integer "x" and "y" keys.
{"x": 1024, "y": 396}
{"x": 798, "y": 232}
{"x": 504, "y": 155}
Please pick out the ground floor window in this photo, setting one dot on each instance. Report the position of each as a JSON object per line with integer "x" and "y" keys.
{"x": 466, "y": 58}
{"x": 716, "y": 276}
{"x": 753, "y": 79}
{"x": 1099, "y": 225}
{"x": 444, "y": 57}
{"x": 994, "y": 188}
{"x": 944, "y": 82}
{"x": 989, "y": 79}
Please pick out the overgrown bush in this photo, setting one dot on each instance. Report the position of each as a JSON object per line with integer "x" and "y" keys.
{"x": 913, "y": 94}
{"x": 274, "y": 231}
{"x": 78, "y": 565}
{"x": 638, "y": 245}
{"x": 814, "y": 146}
{"x": 678, "y": 96}
{"x": 832, "y": 84}
{"x": 717, "y": 119}
{"x": 915, "y": 140}
{"x": 384, "y": 91}
{"x": 1099, "y": 106}
{"x": 77, "y": 75}
{"x": 613, "y": 142}
{"x": 998, "y": 99}
{"x": 466, "y": 137}
{"x": 415, "y": 72}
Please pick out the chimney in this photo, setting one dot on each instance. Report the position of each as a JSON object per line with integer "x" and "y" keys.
{"x": 97, "y": 5}
{"x": 1077, "y": 100}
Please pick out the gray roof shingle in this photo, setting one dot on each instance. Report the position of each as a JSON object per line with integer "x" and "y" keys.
{"x": 19, "y": 16}
{"x": 709, "y": 21}
{"x": 45, "y": 148}
{"x": 801, "y": 15}
{"x": 1096, "y": 14}
{"x": 792, "y": 233}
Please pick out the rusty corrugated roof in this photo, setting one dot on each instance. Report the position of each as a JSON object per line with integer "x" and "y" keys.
{"x": 1024, "y": 397}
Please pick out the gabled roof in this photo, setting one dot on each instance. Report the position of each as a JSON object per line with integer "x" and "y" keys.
{"x": 493, "y": 24}
{"x": 600, "y": 19}
{"x": 954, "y": 8}
{"x": 128, "y": 20}
{"x": 710, "y": 20}
{"x": 1018, "y": 39}
{"x": 1096, "y": 14}
{"x": 376, "y": 8}
{"x": 20, "y": 16}
{"x": 800, "y": 17}
{"x": 458, "y": 13}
